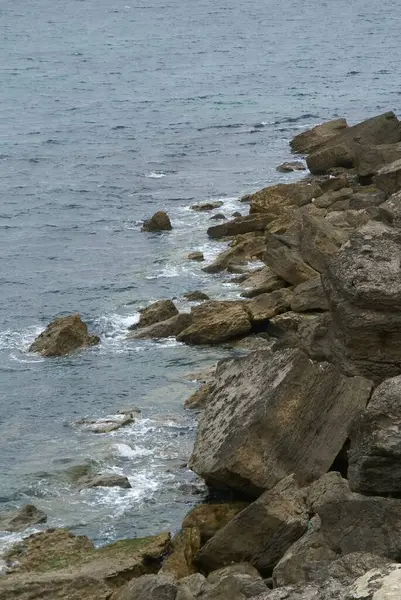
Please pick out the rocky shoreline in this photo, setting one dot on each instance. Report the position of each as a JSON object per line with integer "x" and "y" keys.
{"x": 302, "y": 432}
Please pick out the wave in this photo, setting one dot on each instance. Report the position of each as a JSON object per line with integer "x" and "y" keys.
{"x": 155, "y": 174}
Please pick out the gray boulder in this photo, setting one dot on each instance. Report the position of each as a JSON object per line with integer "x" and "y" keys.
{"x": 311, "y": 140}
{"x": 272, "y": 415}
{"x": 20, "y": 519}
{"x": 388, "y": 179}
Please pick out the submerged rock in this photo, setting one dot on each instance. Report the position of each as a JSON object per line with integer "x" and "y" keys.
{"x": 20, "y": 519}
{"x": 207, "y": 206}
{"x": 288, "y": 167}
{"x": 272, "y": 415}
{"x": 105, "y": 425}
{"x": 63, "y": 336}
{"x": 159, "y": 222}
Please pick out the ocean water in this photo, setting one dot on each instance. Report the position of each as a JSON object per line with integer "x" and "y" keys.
{"x": 111, "y": 110}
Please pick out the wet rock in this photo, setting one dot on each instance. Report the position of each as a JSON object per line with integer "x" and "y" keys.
{"x": 310, "y": 140}
{"x": 196, "y": 296}
{"x": 63, "y": 336}
{"x": 199, "y": 398}
{"x": 319, "y": 241}
{"x": 370, "y": 159}
{"x": 216, "y": 322}
{"x": 21, "y": 519}
{"x": 148, "y": 587}
{"x": 340, "y": 150}
{"x": 209, "y": 518}
{"x": 159, "y": 222}
{"x": 105, "y": 480}
{"x": 198, "y": 256}
{"x": 243, "y": 249}
{"x": 309, "y": 296}
{"x": 287, "y": 263}
{"x": 261, "y": 282}
{"x": 155, "y": 313}
{"x": 272, "y": 199}
{"x": 363, "y": 288}
{"x": 375, "y": 452}
{"x": 239, "y": 226}
{"x": 288, "y": 167}
{"x": 105, "y": 425}
{"x": 261, "y": 533}
{"x": 218, "y": 217}
{"x": 266, "y": 306}
{"x": 169, "y": 328}
{"x": 272, "y": 415}
{"x": 207, "y": 206}
{"x": 388, "y": 179}
{"x": 184, "y": 546}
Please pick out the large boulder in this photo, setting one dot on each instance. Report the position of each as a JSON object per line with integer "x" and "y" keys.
{"x": 340, "y": 150}
{"x": 311, "y": 140}
{"x": 261, "y": 533}
{"x": 234, "y": 582}
{"x": 266, "y": 306}
{"x": 209, "y": 518}
{"x": 63, "y": 336}
{"x": 169, "y": 328}
{"x": 319, "y": 240}
{"x": 146, "y": 587}
{"x": 286, "y": 262}
{"x": 271, "y": 200}
{"x": 156, "y": 312}
{"x": 363, "y": 288}
{"x": 370, "y": 159}
{"x": 159, "y": 222}
{"x": 216, "y": 322}
{"x": 390, "y": 211}
{"x": 20, "y": 519}
{"x": 239, "y": 226}
{"x": 272, "y": 415}
{"x": 388, "y": 178}
{"x": 184, "y": 546}
{"x": 375, "y": 452}
{"x": 261, "y": 282}
{"x": 309, "y": 296}
{"x": 308, "y": 331}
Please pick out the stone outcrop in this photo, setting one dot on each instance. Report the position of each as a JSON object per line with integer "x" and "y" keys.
{"x": 370, "y": 159}
{"x": 272, "y": 415}
{"x": 286, "y": 262}
{"x": 159, "y": 222}
{"x": 239, "y": 226}
{"x": 243, "y": 248}
{"x": 207, "y": 206}
{"x": 199, "y": 398}
{"x": 311, "y": 140}
{"x": 375, "y": 452}
{"x": 309, "y": 296}
{"x": 156, "y": 312}
{"x": 63, "y": 336}
{"x": 21, "y": 519}
{"x": 363, "y": 288}
{"x": 266, "y": 306}
{"x": 169, "y": 328}
{"x": 209, "y": 518}
{"x": 184, "y": 547}
{"x": 319, "y": 241}
{"x": 216, "y": 322}
{"x": 388, "y": 178}
{"x": 261, "y": 533}
{"x": 261, "y": 282}
{"x": 271, "y": 200}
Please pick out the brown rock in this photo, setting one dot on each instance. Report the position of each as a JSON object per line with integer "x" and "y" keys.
{"x": 272, "y": 415}
{"x": 156, "y": 312}
{"x": 20, "y": 519}
{"x": 311, "y": 140}
{"x": 198, "y": 256}
{"x": 235, "y": 582}
{"x": 266, "y": 306}
{"x": 310, "y": 332}
{"x": 209, "y": 518}
{"x": 288, "y": 167}
{"x": 207, "y": 206}
{"x": 169, "y": 328}
{"x": 332, "y": 197}
{"x": 261, "y": 282}
{"x": 216, "y": 322}
{"x": 184, "y": 546}
{"x": 309, "y": 296}
{"x": 271, "y": 200}
{"x": 370, "y": 159}
{"x": 390, "y": 211}
{"x": 148, "y": 587}
{"x": 105, "y": 480}
{"x": 319, "y": 240}
{"x": 239, "y": 226}
{"x": 159, "y": 222}
{"x": 330, "y": 487}
{"x": 261, "y": 533}
{"x": 243, "y": 249}
{"x": 286, "y": 262}
{"x": 199, "y": 398}
{"x": 196, "y": 296}
{"x": 388, "y": 178}
{"x": 63, "y": 336}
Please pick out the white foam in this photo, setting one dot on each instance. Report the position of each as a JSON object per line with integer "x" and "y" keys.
{"x": 19, "y": 340}
{"x": 155, "y": 174}
{"x": 127, "y": 451}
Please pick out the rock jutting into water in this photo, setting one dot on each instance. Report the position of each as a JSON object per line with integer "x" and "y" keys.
{"x": 63, "y": 336}
{"x": 159, "y": 222}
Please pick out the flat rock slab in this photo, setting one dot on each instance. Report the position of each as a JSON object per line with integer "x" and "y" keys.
{"x": 272, "y": 415}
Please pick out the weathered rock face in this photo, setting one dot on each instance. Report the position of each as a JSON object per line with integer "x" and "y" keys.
{"x": 199, "y": 398}
{"x": 287, "y": 263}
{"x": 261, "y": 533}
{"x": 266, "y": 306}
{"x": 207, "y": 206}
{"x": 216, "y": 322}
{"x": 235, "y": 582}
{"x": 239, "y": 226}
{"x": 184, "y": 546}
{"x": 363, "y": 288}
{"x": 159, "y": 222}
{"x": 340, "y": 150}
{"x": 332, "y": 198}
{"x": 319, "y": 240}
{"x": 63, "y": 336}
{"x": 309, "y": 296}
{"x": 388, "y": 179}
{"x": 156, "y": 312}
{"x": 288, "y": 167}
{"x": 271, "y": 200}
{"x": 272, "y": 415}
{"x": 19, "y": 520}
{"x": 383, "y": 583}
{"x": 370, "y": 159}
{"x": 390, "y": 211}
{"x": 105, "y": 480}
{"x": 169, "y": 328}
{"x": 310, "y": 140}
{"x": 375, "y": 452}
{"x": 330, "y": 487}
{"x": 146, "y": 587}
{"x": 310, "y": 332}
{"x": 209, "y": 518}
{"x": 261, "y": 282}
{"x": 243, "y": 248}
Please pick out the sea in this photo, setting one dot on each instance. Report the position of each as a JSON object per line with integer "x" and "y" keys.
{"x": 109, "y": 111}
